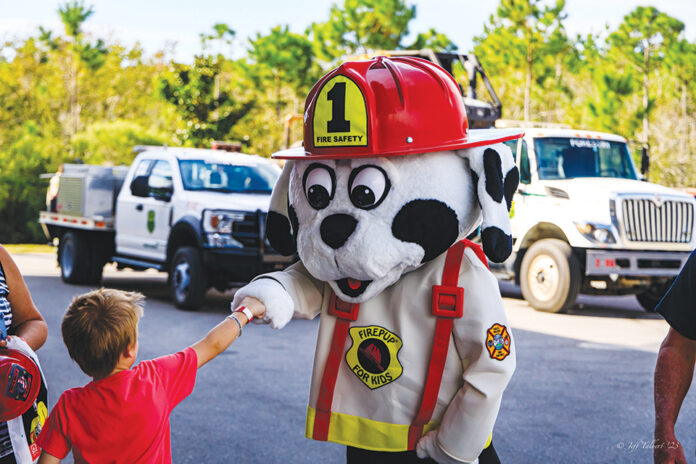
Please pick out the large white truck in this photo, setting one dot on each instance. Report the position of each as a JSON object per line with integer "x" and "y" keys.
{"x": 197, "y": 214}
{"x": 586, "y": 222}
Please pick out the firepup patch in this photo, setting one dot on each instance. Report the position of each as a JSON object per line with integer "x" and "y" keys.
{"x": 498, "y": 342}
{"x": 373, "y": 357}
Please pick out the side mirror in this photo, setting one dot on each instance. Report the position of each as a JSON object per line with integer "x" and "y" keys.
{"x": 163, "y": 194}
{"x": 161, "y": 188}
{"x": 139, "y": 186}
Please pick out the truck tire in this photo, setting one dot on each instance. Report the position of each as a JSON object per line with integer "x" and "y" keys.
{"x": 75, "y": 260}
{"x": 550, "y": 276}
{"x": 188, "y": 281}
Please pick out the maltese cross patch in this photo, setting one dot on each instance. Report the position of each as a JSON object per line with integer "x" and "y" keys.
{"x": 498, "y": 342}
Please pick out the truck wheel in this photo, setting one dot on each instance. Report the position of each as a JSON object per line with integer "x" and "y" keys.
{"x": 550, "y": 276}
{"x": 187, "y": 279}
{"x": 75, "y": 260}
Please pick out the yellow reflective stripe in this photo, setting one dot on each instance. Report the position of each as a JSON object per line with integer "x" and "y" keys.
{"x": 488, "y": 442}
{"x": 365, "y": 433}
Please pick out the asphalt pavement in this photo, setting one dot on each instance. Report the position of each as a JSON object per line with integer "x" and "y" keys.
{"x": 582, "y": 392}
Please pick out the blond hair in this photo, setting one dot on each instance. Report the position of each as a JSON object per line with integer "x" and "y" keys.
{"x": 99, "y": 326}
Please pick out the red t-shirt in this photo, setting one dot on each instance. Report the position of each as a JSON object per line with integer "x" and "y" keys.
{"x": 123, "y": 418}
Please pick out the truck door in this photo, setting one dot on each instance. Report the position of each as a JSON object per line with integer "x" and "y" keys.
{"x": 521, "y": 197}
{"x": 142, "y": 226}
{"x": 519, "y": 151}
{"x": 129, "y": 212}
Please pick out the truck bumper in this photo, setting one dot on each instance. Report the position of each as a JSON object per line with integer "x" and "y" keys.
{"x": 634, "y": 263}
{"x": 241, "y": 263}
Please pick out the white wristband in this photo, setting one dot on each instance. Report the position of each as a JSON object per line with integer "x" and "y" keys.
{"x": 239, "y": 324}
{"x": 246, "y": 311}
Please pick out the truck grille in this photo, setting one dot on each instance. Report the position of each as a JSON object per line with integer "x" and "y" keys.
{"x": 247, "y": 230}
{"x": 645, "y": 220}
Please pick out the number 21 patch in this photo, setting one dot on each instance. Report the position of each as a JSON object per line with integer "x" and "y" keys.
{"x": 498, "y": 342}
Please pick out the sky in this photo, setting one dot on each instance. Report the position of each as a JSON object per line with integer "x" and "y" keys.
{"x": 160, "y": 24}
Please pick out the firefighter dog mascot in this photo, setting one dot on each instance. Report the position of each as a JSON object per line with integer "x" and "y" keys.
{"x": 414, "y": 350}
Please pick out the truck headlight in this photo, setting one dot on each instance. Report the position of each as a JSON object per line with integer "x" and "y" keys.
{"x": 220, "y": 222}
{"x": 223, "y": 241}
{"x": 599, "y": 233}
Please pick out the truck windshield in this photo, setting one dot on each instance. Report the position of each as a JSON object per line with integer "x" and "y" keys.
{"x": 566, "y": 158}
{"x": 222, "y": 177}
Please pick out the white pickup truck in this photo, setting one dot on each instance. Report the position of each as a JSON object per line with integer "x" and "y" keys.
{"x": 197, "y": 214}
{"x": 585, "y": 222}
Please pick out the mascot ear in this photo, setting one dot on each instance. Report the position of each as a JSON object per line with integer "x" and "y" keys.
{"x": 495, "y": 179}
{"x": 281, "y": 224}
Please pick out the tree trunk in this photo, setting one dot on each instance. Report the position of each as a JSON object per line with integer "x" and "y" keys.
{"x": 75, "y": 107}
{"x": 528, "y": 85}
{"x": 684, "y": 123}
{"x": 277, "y": 89}
{"x": 646, "y": 100}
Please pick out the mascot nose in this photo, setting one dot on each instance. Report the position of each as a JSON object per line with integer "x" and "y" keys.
{"x": 336, "y": 229}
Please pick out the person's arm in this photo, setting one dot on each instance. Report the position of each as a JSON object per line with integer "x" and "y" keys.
{"x": 27, "y": 321}
{"x": 673, "y": 374}
{"x": 290, "y": 293}
{"x": 48, "y": 458}
{"x": 223, "y": 334}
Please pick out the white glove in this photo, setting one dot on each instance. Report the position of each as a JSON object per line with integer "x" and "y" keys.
{"x": 427, "y": 447}
{"x": 279, "y": 305}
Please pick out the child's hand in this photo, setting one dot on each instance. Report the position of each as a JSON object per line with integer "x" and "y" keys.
{"x": 278, "y": 303}
{"x": 255, "y": 306}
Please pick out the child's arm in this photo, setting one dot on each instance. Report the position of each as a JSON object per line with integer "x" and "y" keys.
{"x": 47, "y": 458}
{"x": 223, "y": 334}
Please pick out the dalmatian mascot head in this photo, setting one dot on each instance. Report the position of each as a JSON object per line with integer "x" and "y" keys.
{"x": 389, "y": 177}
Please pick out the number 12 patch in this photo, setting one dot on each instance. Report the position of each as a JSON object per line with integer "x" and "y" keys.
{"x": 340, "y": 115}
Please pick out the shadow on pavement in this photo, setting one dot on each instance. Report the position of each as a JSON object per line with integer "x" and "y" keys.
{"x": 623, "y": 307}
{"x": 155, "y": 287}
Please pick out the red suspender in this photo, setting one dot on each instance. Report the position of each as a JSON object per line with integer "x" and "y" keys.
{"x": 345, "y": 313}
{"x": 447, "y": 305}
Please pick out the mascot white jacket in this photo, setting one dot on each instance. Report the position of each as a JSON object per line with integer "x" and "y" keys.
{"x": 414, "y": 350}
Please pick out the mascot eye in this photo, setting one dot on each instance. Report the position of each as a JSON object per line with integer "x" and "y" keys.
{"x": 319, "y": 181}
{"x": 368, "y": 186}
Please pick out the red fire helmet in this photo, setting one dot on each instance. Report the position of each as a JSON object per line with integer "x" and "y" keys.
{"x": 20, "y": 381}
{"x": 387, "y": 107}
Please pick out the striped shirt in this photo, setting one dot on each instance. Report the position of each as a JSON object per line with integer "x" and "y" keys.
{"x": 6, "y": 313}
{"x": 5, "y": 310}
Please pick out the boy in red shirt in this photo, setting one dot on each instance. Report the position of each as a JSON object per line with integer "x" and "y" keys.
{"x": 122, "y": 416}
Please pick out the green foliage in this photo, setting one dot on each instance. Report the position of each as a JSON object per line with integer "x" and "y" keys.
{"x": 222, "y": 34}
{"x": 112, "y": 142}
{"x": 282, "y": 57}
{"x": 360, "y": 26}
{"x": 605, "y": 108}
{"x": 281, "y": 67}
{"x": 366, "y": 26}
{"x": 528, "y": 36}
{"x": 433, "y": 40}
{"x": 207, "y": 111}
{"x": 643, "y": 36}
{"x": 37, "y": 122}
{"x": 73, "y": 15}
{"x": 66, "y": 96}
{"x": 22, "y": 193}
